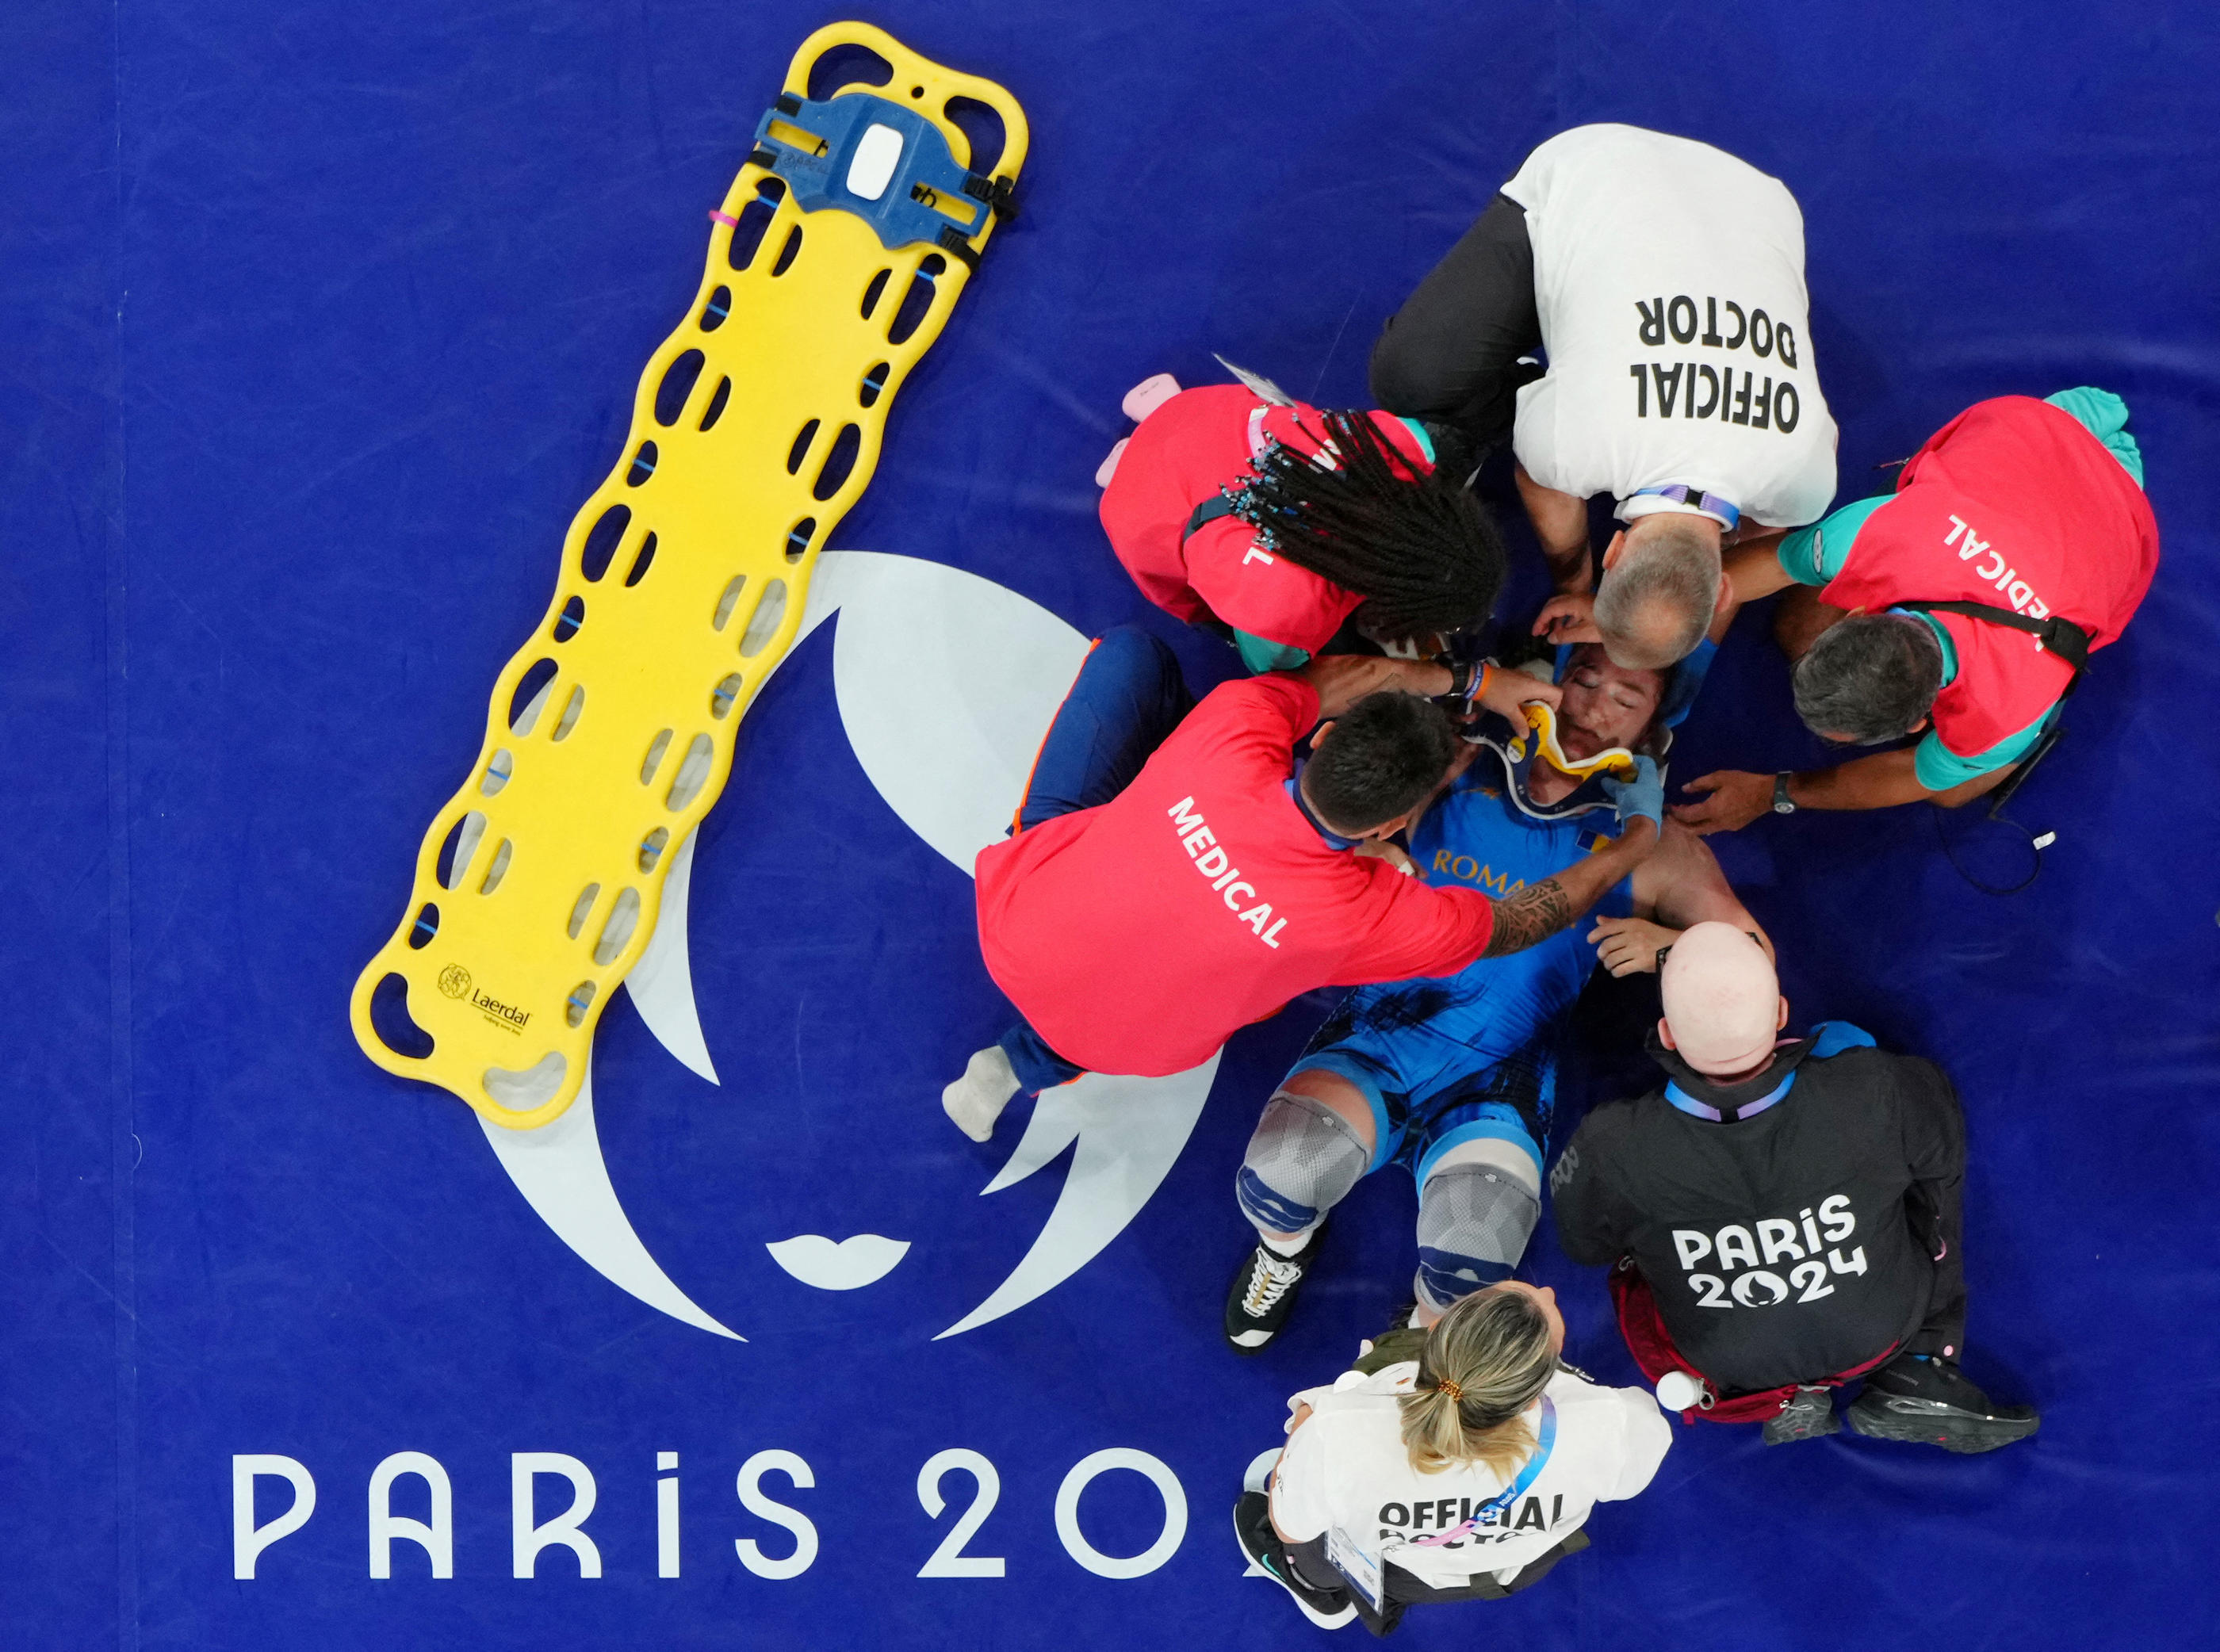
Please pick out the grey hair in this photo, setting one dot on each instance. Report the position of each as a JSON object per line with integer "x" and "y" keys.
{"x": 1655, "y": 606}
{"x": 1869, "y": 678}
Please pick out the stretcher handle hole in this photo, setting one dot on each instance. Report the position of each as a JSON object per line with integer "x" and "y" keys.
{"x": 714, "y": 312}
{"x": 641, "y": 562}
{"x": 580, "y": 1000}
{"x": 733, "y": 587}
{"x": 678, "y": 380}
{"x": 461, "y": 844}
{"x": 845, "y": 66}
{"x": 917, "y": 300}
{"x": 799, "y": 450}
{"x": 755, "y": 218}
{"x": 572, "y": 616}
{"x": 617, "y": 931}
{"x": 571, "y": 707}
{"x": 840, "y": 462}
{"x": 531, "y": 696}
{"x": 798, "y": 537}
{"x": 652, "y": 847}
{"x": 533, "y": 1087}
{"x": 720, "y": 707}
{"x": 871, "y": 293}
{"x": 608, "y": 531}
{"x": 716, "y": 409}
{"x": 786, "y": 253}
{"x": 771, "y": 610}
{"x": 425, "y": 927}
{"x": 495, "y": 868}
{"x": 982, "y": 130}
{"x": 643, "y": 465}
{"x": 653, "y": 761}
{"x": 874, "y": 382}
{"x": 395, "y": 1027}
{"x": 498, "y": 769}
{"x": 583, "y": 907}
{"x": 693, "y": 772}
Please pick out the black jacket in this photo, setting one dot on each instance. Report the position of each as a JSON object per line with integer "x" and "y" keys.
{"x": 1793, "y": 1243}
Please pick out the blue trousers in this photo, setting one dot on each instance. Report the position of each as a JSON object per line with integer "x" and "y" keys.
{"x": 1128, "y": 698}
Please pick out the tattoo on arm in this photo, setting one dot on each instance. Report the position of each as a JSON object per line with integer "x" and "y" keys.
{"x": 1535, "y": 913}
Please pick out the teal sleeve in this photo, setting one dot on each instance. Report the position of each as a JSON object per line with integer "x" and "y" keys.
{"x": 2105, "y": 417}
{"x": 1261, "y": 656}
{"x": 1814, "y": 555}
{"x": 1938, "y": 768}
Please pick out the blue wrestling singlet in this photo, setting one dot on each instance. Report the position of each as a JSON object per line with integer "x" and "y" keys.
{"x": 1444, "y": 1060}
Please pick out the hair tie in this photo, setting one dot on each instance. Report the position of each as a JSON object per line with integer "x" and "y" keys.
{"x": 1443, "y": 1385}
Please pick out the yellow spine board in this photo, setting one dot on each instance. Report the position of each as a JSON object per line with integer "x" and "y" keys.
{"x": 568, "y": 823}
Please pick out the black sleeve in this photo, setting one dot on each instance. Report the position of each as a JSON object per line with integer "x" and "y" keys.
{"x": 1934, "y": 1136}
{"x": 1591, "y": 1228}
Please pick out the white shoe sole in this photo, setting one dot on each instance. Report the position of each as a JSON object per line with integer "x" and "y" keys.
{"x": 1341, "y": 1619}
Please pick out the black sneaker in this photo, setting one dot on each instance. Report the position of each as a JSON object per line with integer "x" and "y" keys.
{"x": 1263, "y": 1293}
{"x": 1252, "y": 1529}
{"x": 1931, "y": 1400}
{"x": 1808, "y": 1415}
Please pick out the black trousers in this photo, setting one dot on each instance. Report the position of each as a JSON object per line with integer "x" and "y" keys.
{"x": 1451, "y": 353}
{"x": 1404, "y": 1590}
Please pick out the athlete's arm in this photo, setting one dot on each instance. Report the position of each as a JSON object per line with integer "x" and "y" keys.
{"x": 1540, "y": 910}
{"x": 1341, "y": 680}
{"x": 1678, "y": 887}
{"x": 1560, "y": 523}
{"x": 1733, "y": 798}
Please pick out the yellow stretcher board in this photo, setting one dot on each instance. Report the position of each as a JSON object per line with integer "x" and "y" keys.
{"x": 755, "y": 426}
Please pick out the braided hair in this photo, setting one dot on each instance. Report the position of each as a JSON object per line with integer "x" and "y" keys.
{"x": 1423, "y": 554}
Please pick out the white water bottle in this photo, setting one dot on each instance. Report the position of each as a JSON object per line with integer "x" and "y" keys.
{"x": 1678, "y": 1391}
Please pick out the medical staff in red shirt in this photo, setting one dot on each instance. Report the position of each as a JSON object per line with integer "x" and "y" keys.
{"x": 1221, "y": 509}
{"x": 1958, "y": 608}
{"x": 1150, "y": 905}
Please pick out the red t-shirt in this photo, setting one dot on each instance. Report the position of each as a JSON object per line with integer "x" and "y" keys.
{"x": 2013, "y": 504}
{"x": 1137, "y": 937}
{"x": 1199, "y": 442}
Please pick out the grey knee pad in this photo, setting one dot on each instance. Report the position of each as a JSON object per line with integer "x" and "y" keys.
{"x": 1301, "y": 1162}
{"x": 1474, "y": 1223}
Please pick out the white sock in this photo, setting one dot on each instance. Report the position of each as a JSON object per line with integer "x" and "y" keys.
{"x": 975, "y": 1101}
{"x": 1287, "y": 1247}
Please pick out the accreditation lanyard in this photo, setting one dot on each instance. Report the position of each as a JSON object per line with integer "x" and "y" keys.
{"x": 1510, "y": 1494}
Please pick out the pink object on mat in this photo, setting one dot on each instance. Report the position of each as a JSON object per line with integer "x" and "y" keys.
{"x": 1145, "y": 397}
{"x": 1110, "y": 465}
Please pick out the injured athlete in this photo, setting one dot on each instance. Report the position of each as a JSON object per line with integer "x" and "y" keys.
{"x": 1455, "y": 1078}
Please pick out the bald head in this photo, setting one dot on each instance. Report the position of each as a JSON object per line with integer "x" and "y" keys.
{"x": 1722, "y": 1003}
{"x": 1656, "y": 598}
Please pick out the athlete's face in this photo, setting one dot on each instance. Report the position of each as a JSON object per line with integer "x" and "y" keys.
{"x": 1546, "y": 1300}
{"x": 1605, "y": 705}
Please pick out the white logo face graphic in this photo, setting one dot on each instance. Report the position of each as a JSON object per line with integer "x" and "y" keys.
{"x": 945, "y": 684}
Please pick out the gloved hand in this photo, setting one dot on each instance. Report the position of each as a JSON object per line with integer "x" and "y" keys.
{"x": 1644, "y": 795}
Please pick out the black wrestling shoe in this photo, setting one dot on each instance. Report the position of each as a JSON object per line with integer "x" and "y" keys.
{"x": 1263, "y": 1293}
{"x": 1252, "y": 1529}
{"x": 1930, "y": 1400}
{"x": 1808, "y": 1415}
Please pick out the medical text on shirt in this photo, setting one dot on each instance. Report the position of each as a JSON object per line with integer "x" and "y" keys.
{"x": 1766, "y": 406}
{"x": 2018, "y": 591}
{"x": 1211, "y": 860}
{"x": 1812, "y": 1240}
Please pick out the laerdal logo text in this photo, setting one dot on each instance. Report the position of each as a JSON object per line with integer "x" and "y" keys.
{"x": 1213, "y": 863}
{"x": 499, "y": 1011}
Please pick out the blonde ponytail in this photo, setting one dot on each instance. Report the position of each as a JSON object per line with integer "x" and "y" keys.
{"x": 1485, "y": 1362}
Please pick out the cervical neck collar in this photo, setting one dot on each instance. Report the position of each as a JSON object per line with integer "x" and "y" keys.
{"x": 1537, "y": 742}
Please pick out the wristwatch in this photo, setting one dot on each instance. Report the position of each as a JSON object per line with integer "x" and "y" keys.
{"x": 1782, "y": 803}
